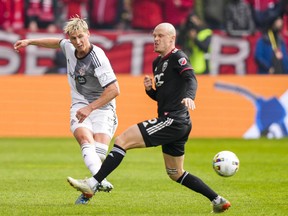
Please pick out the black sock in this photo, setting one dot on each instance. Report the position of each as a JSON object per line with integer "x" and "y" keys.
{"x": 111, "y": 162}
{"x": 197, "y": 185}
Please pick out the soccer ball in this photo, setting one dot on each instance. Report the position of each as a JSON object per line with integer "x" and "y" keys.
{"x": 226, "y": 163}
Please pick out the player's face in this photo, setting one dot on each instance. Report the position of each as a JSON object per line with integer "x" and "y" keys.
{"x": 163, "y": 42}
{"x": 80, "y": 41}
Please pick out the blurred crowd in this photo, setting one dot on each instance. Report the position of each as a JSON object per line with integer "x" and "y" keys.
{"x": 237, "y": 17}
{"x": 195, "y": 21}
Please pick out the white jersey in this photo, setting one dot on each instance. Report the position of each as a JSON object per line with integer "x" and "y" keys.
{"x": 88, "y": 76}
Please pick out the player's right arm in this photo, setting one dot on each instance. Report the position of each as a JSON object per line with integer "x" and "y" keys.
{"x": 148, "y": 87}
{"x": 42, "y": 42}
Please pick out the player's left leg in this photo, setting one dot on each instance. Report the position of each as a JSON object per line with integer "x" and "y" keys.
{"x": 174, "y": 168}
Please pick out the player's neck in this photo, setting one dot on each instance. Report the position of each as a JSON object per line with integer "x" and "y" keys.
{"x": 167, "y": 52}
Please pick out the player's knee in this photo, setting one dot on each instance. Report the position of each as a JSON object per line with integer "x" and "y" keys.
{"x": 82, "y": 140}
{"x": 119, "y": 141}
{"x": 173, "y": 173}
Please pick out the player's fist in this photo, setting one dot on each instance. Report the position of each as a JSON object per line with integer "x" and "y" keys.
{"x": 147, "y": 83}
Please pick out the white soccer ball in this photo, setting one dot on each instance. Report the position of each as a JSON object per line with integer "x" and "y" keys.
{"x": 226, "y": 163}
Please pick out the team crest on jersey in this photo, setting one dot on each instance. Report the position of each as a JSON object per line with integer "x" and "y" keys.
{"x": 164, "y": 66}
{"x": 182, "y": 61}
{"x": 82, "y": 71}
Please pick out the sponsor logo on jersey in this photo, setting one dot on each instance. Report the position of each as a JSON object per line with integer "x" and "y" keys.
{"x": 182, "y": 61}
{"x": 157, "y": 79}
{"x": 81, "y": 80}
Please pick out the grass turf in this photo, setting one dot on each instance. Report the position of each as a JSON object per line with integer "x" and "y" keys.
{"x": 33, "y": 175}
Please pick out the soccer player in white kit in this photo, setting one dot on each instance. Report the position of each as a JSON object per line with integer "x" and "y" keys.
{"x": 94, "y": 87}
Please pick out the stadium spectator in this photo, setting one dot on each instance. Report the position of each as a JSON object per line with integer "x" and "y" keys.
{"x": 177, "y": 11}
{"x": 105, "y": 14}
{"x": 146, "y": 14}
{"x": 284, "y": 6}
{"x": 194, "y": 39}
{"x": 70, "y": 8}
{"x": 264, "y": 12}
{"x": 238, "y": 19}
{"x": 94, "y": 87}
{"x": 271, "y": 53}
{"x": 125, "y": 15}
{"x": 11, "y": 15}
{"x": 174, "y": 90}
{"x": 213, "y": 13}
{"x": 60, "y": 65}
{"x": 40, "y": 15}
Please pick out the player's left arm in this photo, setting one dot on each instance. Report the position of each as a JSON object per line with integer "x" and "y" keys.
{"x": 191, "y": 83}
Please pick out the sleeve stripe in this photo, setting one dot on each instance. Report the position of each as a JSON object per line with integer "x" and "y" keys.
{"x": 185, "y": 69}
{"x": 113, "y": 81}
{"x": 95, "y": 59}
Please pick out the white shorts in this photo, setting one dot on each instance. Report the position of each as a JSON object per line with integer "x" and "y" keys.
{"x": 99, "y": 121}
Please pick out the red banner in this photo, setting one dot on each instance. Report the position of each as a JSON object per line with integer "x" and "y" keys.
{"x": 130, "y": 52}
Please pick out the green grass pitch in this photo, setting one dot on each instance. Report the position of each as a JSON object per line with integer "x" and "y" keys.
{"x": 33, "y": 175}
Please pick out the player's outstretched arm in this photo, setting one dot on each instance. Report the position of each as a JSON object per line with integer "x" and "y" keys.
{"x": 43, "y": 42}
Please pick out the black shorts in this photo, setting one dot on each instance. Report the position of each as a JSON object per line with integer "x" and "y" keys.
{"x": 169, "y": 132}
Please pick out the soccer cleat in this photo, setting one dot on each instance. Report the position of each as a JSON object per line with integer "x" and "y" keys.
{"x": 83, "y": 186}
{"x": 105, "y": 186}
{"x": 82, "y": 200}
{"x": 220, "y": 206}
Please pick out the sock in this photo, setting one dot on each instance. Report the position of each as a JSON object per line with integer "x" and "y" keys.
{"x": 91, "y": 159}
{"x": 111, "y": 162}
{"x": 101, "y": 150}
{"x": 197, "y": 185}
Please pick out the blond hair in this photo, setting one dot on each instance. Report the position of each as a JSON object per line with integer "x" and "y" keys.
{"x": 75, "y": 24}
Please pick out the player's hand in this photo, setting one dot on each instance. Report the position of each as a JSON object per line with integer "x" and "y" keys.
{"x": 189, "y": 103}
{"x": 21, "y": 43}
{"x": 83, "y": 113}
{"x": 147, "y": 83}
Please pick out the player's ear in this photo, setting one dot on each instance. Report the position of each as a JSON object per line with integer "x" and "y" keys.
{"x": 173, "y": 37}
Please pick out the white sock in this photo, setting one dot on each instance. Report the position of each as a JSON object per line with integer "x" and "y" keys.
{"x": 91, "y": 159}
{"x": 101, "y": 150}
{"x": 92, "y": 182}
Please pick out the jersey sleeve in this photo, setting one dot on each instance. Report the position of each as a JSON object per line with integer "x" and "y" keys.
{"x": 192, "y": 84}
{"x": 63, "y": 44}
{"x": 103, "y": 69}
{"x": 185, "y": 69}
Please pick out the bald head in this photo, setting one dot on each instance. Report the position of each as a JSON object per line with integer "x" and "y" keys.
{"x": 164, "y": 38}
{"x": 168, "y": 28}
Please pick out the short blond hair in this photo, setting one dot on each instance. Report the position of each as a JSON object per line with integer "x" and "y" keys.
{"x": 75, "y": 24}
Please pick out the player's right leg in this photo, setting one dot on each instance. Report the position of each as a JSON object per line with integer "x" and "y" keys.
{"x": 84, "y": 136}
{"x": 131, "y": 138}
